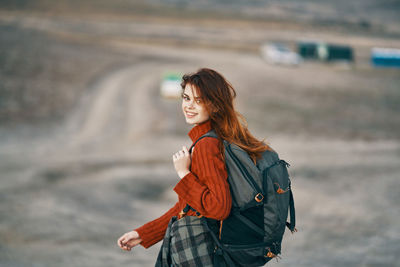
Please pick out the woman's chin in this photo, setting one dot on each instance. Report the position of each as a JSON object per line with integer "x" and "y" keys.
{"x": 192, "y": 120}
{"x": 189, "y": 121}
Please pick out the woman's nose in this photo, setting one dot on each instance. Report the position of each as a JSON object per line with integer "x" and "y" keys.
{"x": 191, "y": 104}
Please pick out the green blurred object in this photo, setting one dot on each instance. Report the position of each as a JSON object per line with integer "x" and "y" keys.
{"x": 172, "y": 76}
{"x": 170, "y": 86}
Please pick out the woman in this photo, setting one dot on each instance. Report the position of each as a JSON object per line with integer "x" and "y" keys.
{"x": 207, "y": 103}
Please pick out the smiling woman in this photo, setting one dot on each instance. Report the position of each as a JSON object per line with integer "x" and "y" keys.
{"x": 207, "y": 104}
{"x": 192, "y": 106}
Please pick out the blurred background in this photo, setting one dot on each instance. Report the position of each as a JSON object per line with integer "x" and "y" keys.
{"x": 89, "y": 119}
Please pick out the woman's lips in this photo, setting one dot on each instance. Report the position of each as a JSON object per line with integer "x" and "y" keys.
{"x": 190, "y": 114}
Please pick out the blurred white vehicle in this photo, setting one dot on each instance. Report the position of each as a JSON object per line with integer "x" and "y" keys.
{"x": 279, "y": 54}
{"x": 171, "y": 85}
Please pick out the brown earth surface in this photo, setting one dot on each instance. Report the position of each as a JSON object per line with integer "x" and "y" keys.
{"x": 86, "y": 141}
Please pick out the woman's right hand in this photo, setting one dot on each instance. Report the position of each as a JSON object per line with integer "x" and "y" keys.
{"x": 128, "y": 240}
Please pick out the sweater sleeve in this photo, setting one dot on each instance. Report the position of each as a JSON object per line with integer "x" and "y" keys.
{"x": 205, "y": 187}
{"x": 152, "y": 232}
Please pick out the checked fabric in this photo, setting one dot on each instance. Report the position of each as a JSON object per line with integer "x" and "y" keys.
{"x": 187, "y": 243}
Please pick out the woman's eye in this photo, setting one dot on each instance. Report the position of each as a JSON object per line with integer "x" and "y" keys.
{"x": 198, "y": 101}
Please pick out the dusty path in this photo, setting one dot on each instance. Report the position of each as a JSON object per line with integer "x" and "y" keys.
{"x": 119, "y": 108}
{"x": 68, "y": 194}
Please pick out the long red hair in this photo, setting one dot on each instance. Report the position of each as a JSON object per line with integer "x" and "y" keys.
{"x": 218, "y": 94}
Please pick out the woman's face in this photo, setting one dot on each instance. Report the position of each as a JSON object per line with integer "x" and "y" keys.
{"x": 193, "y": 107}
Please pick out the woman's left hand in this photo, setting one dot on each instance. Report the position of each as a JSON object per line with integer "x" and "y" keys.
{"x": 128, "y": 240}
{"x": 182, "y": 162}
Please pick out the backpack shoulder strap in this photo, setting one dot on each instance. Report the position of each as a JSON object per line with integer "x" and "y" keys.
{"x": 210, "y": 133}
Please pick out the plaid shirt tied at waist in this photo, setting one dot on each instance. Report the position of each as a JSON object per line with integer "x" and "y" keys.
{"x": 187, "y": 243}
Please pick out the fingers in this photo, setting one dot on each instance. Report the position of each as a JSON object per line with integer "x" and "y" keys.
{"x": 126, "y": 247}
{"x": 185, "y": 150}
{"x": 123, "y": 243}
{"x": 129, "y": 240}
{"x": 182, "y": 162}
{"x": 181, "y": 153}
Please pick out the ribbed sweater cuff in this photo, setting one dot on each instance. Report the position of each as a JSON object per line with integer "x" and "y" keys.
{"x": 147, "y": 235}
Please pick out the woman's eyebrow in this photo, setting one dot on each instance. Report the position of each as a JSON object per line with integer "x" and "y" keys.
{"x": 196, "y": 98}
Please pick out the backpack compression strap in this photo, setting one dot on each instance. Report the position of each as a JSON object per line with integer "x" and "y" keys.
{"x": 292, "y": 224}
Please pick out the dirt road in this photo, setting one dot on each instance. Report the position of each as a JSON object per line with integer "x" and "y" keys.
{"x": 70, "y": 190}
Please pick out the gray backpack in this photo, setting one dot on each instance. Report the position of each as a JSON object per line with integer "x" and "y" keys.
{"x": 261, "y": 200}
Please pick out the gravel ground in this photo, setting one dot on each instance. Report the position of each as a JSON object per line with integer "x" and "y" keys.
{"x": 72, "y": 183}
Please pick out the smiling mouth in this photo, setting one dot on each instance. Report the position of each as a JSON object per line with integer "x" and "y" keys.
{"x": 190, "y": 114}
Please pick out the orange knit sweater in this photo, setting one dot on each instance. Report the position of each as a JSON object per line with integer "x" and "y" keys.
{"x": 205, "y": 188}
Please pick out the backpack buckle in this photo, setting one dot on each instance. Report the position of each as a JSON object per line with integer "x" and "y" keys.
{"x": 181, "y": 214}
{"x": 271, "y": 255}
{"x": 259, "y": 197}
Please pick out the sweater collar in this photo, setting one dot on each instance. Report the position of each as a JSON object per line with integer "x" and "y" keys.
{"x": 199, "y": 130}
